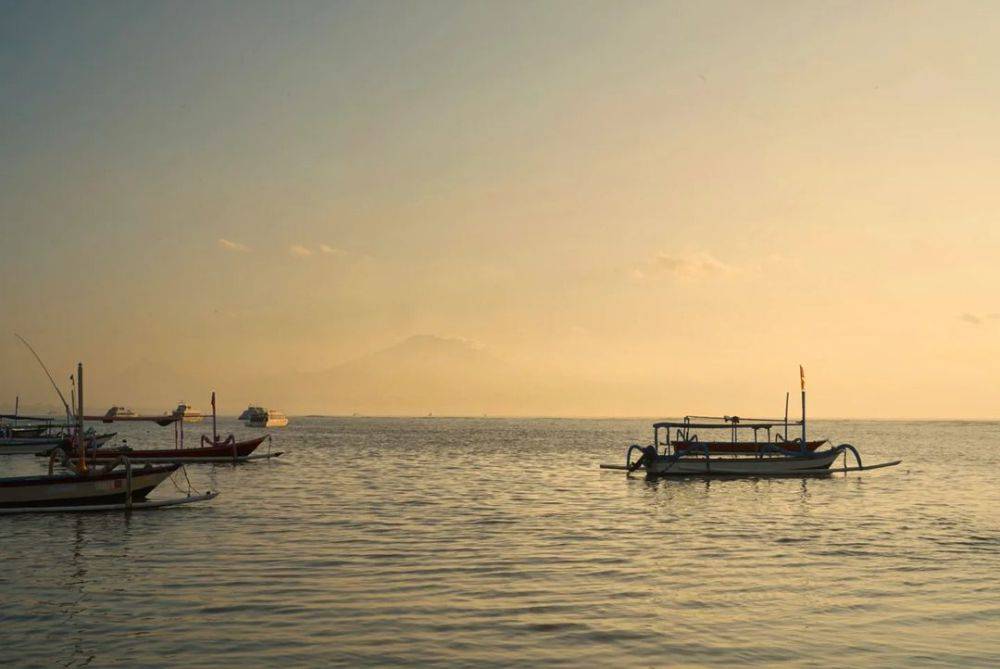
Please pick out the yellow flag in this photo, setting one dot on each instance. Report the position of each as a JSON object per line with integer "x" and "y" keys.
{"x": 802, "y": 377}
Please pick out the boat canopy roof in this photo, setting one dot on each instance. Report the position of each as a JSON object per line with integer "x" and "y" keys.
{"x": 725, "y": 423}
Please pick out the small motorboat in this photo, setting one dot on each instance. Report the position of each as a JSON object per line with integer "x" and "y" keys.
{"x": 249, "y": 411}
{"x": 188, "y": 413}
{"x": 261, "y": 417}
{"x": 119, "y": 413}
{"x": 677, "y": 449}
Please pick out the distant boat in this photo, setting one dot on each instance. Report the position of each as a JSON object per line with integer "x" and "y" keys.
{"x": 120, "y": 412}
{"x": 249, "y": 411}
{"x": 261, "y": 417}
{"x": 188, "y": 413}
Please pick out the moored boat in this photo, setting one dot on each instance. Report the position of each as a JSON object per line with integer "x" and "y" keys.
{"x": 249, "y": 411}
{"x": 261, "y": 417}
{"x": 75, "y": 489}
{"x": 87, "y": 487}
{"x": 119, "y": 413}
{"x": 14, "y": 442}
{"x": 209, "y": 451}
{"x": 681, "y": 451}
{"x": 188, "y": 413}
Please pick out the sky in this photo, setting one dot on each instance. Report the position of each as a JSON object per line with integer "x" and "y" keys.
{"x": 668, "y": 206}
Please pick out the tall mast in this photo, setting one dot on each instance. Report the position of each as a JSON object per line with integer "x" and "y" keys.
{"x": 81, "y": 450}
{"x": 215, "y": 434}
{"x": 802, "y": 381}
{"x": 786, "y": 416}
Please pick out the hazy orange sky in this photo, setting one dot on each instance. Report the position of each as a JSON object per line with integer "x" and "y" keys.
{"x": 666, "y": 206}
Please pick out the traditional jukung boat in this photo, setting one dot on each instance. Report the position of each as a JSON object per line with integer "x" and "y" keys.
{"x": 40, "y": 439}
{"x": 87, "y": 487}
{"x": 75, "y": 489}
{"x": 677, "y": 449}
{"x": 227, "y": 450}
{"x": 212, "y": 449}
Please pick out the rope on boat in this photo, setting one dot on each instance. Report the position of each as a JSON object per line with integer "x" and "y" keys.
{"x": 128, "y": 484}
{"x": 190, "y": 488}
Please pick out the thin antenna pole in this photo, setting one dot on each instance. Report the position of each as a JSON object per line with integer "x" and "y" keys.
{"x": 17, "y": 403}
{"x": 69, "y": 414}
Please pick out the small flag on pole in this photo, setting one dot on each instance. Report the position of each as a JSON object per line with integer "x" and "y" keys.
{"x": 802, "y": 377}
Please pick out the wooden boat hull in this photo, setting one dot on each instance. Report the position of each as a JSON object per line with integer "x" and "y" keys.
{"x": 239, "y": 449}
{"x": 114, "y": 506}
{"x": 779, "y": 465}
{"x": 728, "y": 447}
{"x": 68, "y": 444}
{"x": 63, "y": 490}
{"x": 33, "y": 431}
{"x": 29, "y": 445}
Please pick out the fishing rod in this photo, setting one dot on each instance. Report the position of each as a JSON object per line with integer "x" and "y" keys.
{"x": 69, "y": 414}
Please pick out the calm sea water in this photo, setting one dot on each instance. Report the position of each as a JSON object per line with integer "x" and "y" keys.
{"x": 483, "y": 542}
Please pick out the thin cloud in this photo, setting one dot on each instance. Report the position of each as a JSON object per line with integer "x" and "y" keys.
{"x": 331, "y": 251}
{"x": 972, "y": 319}
{"x": 233, "y": 246}
{"x": 687, "y": 267}
{"x": 300, "y": 251}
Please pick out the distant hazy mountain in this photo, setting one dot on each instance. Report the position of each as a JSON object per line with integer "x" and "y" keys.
{"x": 448, "y": 376}
{"x": 420, "y": 375}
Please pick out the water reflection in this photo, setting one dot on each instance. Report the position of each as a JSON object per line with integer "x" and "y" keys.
{"x": 335, "y": 558}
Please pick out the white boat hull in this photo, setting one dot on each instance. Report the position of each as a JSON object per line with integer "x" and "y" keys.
{"x": 817, "y": 463}
{"x": 74, "y": 490}
{"x": 270, "y": 422}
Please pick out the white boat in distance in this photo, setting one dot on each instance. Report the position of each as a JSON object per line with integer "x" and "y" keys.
{"x": 261, "y": 417}
{"x": 188, "y": 413}
{"x": 120, "y": 412}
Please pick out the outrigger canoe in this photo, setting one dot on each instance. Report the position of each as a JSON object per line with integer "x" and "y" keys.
{"x": 683, "y": 453}
{"x": 218, "y": 451}
{"x": 73, "y": 489}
